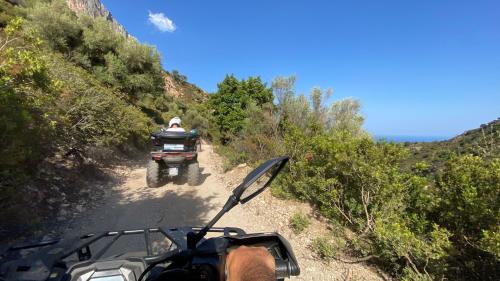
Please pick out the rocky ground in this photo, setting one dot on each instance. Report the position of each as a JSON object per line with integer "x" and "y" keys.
{"x": 126, "y": 203}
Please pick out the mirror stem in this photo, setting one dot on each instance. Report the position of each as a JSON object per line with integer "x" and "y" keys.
{"x": 193, "y": 239}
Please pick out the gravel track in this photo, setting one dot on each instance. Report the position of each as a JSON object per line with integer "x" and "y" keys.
{"x": 130, "y": 204}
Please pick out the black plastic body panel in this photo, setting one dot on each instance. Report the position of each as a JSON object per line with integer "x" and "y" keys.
{"x": 48, "y": 257}
{"x": 189, "y": 140}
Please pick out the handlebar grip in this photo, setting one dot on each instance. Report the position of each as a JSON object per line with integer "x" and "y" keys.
{"x": 285, "y": 269}
{"x": 282, "y": 269}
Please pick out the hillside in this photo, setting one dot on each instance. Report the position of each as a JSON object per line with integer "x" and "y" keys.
{"x": 79, "y": 98}
{"x": 483, "y": 141}
{"x": 176, "y": 84}
{"x": 77, "y": 92}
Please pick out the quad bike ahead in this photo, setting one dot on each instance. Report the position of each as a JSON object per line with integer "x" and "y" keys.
{"x": 174, "y": 155}
{"x": 187, "y": 255}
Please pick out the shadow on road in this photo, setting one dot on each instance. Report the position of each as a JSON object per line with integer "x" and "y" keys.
{"x": 140, "y": 208}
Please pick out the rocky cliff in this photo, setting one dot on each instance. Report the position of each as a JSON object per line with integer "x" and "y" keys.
{"x": 94, "y": 9}
{"x": 183, "y": 90}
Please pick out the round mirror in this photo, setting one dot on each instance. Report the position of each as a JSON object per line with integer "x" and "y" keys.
{"x": 260, "y": 178}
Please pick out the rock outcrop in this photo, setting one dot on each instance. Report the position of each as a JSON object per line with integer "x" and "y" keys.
{"x": 171, "y": 87}
{"x": 183, "y": 90}
{"x": 94, "y": 9}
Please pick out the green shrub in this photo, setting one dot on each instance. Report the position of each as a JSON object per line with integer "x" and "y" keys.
{"x": 299, "y": 222}
{"x": 420, "y": 221}
{"x": 324, "y": 248}
{"x": 230, "y": 103}
{"x": 280, "y": 191}
{"x": 469, "y": 208}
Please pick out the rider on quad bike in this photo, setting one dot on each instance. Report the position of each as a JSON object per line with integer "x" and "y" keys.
{"x": 174, "y": 155}
{"x": 174, "y": 125}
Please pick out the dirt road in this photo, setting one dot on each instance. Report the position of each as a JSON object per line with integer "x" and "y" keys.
{"x": 132, "y": 205}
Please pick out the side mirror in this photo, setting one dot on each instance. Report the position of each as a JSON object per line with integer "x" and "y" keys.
{"x": 259, "y": 179}
{"x": 253, "y": 184}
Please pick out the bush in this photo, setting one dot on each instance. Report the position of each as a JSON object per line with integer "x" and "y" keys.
{"x": 324, "y": 248}
{"x": 356, "y": 181}
{"x": 27, "y": 104}
{"x": 231, "y": 101}
{"x": 299, "y": 222}
{"x": 56, "y": 24}
{"x": 419, "y": 221}
{"x": 469, "y": 207}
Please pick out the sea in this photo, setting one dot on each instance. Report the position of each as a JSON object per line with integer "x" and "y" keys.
{"x": 400, "y": 139}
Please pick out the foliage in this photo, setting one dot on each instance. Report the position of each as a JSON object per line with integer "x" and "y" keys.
{"x": 179, "y": 78}
{"x": 344, "y": 116}
{"x": 188, "y": 93}
{"x": 299, "y": 222}
{"x": 470, "y": 186}
{"x": 28, "y": 95}
{"x": 423, "y": 212}
{"x": 8, "y": 11}
{"x": 231, "y": 102}
{"x": 323, "y": 247}
{"x": 469, "y": 208}
{"x": 483, "y": 142}
{"x": 419, "y": 222}
{"x": 56, "y": 25}
{"x": 193, "y": 119}
{"x": 490, "y": 241}
{"x": 414, "y": 222}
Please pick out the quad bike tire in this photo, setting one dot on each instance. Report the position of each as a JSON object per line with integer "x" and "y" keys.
{"x": 193, "y": 174}
{"x": 153, "y": 174}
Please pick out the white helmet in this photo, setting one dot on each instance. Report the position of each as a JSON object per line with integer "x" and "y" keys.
{"x": 175, "y": 120}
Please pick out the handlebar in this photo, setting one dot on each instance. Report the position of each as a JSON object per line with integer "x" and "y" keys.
{"x": 285, "y": 269}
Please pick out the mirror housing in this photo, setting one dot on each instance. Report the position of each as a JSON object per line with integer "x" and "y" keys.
{"x": 233, "y": 200}
{"x": 277, "y": 163}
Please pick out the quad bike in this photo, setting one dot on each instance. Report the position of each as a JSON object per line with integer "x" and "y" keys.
{"x": 174, "y": 155}
{"x": 188, "y": 255}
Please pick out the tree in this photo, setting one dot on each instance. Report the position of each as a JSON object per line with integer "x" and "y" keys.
{"x": 344, "y": 115}
{"x": 257, "y": 90}
{"x": 231, "y": 101}
{"x": 284, "y": 90}
{"x": 100, "y": 39}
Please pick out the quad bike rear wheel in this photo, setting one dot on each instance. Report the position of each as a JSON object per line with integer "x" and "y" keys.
{"x": 153, "y": 174}
{"x": 193, "y": 174}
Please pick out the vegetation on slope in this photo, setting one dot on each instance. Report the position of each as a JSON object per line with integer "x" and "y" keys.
{"x": 69, "y": 85}
{"x": 417, "y": 222}
{"x": 483, "y": 141}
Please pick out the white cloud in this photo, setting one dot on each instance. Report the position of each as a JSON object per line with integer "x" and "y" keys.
{"x": 163, "y": 23}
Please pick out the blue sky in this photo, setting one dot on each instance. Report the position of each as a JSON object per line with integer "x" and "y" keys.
{"x": 421, "y": 68}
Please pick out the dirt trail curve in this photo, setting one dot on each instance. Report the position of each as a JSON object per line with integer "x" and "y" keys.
{"x": 131, "y": 205}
